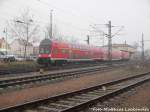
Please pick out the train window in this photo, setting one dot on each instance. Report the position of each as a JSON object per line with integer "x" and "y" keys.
{"x": 63, "y": 51}
{"x": 67, "y": 51}
{"x": 55, "y": 51}
{"x": 44, "y": 50}
{"x": 47, "y": 51}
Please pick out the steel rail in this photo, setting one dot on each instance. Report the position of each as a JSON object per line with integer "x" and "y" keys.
{"x": 13, "y": 82}
{"x": 76, "y": 100}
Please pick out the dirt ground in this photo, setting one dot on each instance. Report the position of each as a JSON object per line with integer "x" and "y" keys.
{"x": 138, "y": 97}
{"x": 28, "y": 94}
{"x": 135, "y": 100}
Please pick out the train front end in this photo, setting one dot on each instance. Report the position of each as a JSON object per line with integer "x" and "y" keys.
{"x": 44, "y": 57}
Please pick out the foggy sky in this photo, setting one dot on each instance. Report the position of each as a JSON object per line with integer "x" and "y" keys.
{"x": 73, "y": 17}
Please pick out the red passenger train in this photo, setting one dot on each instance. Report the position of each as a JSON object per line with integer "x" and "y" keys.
{"x": 56, "y": 52}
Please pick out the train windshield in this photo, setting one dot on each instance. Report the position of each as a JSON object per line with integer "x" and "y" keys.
{"x": 45, "y": 46}
{"x": 44, "y": 50}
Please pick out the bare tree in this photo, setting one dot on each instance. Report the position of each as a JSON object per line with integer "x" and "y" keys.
{"x": 135, "y": 45}
{"x": 24, "y": 28}
{"x": 147, "y": 54}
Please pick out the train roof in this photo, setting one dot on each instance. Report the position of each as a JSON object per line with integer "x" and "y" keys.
{"x": 74, "y": 45}
{"x": 45, "y": 42}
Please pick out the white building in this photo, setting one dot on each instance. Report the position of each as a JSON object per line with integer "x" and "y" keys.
{"x": 18, "y": 47}
{"x": 123, "y": 47}
{"x": 4, "y": 46}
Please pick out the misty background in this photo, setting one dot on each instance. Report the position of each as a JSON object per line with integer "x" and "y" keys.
{"x": 73, "y": 18}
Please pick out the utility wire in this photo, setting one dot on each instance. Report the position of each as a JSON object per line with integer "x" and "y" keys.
{"x": 43, "y": 22}
{"x": 65, "y": 11}
{"x": 118, "y": 31}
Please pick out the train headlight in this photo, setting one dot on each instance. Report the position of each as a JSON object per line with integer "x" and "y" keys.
{"x": 39, "y": 55}
{"x": 49, "y": 55}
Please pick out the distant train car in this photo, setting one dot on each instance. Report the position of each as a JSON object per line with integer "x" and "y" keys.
{"x": 116, "y": 55}
{"x": 55, "y": 53}
{"x": 125, "y": 55}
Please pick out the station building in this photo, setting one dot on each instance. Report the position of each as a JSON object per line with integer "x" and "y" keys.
{"x": 123, "y": 47}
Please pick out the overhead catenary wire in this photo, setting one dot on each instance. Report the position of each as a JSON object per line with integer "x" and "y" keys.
{"x": 118, "y": 31}
{"x": 66, "y": 11}
{"x": 67, "y": 23}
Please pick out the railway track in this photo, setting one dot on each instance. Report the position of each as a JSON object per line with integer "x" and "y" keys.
{"x": 81, "y": 99}
{"x": 21, "y": 69}
{"x": 22, "y": 82}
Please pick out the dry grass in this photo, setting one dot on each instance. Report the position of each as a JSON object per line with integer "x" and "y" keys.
{"x": 14, "y": 65}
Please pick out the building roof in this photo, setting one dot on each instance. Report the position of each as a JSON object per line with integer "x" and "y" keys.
{"x": 120, "y": 45}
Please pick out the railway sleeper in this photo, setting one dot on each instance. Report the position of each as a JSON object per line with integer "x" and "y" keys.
{"x": 60, "y": 105}
{"x": 84, "y": 97}
{"x": 88, "y": 95}
{"x": 50, "y": 109}
{"x": 66, "y": 102}
{"x": 76, "y": 100}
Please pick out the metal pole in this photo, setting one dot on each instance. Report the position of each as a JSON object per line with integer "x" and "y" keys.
{"x": 109, "y": 42}
{"x": 5, "y": 30}
{"x": 6, "y": 42}
{"x": 103, "y": 38}
{"x": 27, "y": 31}
{"x": 88, "y": 39}
{"x": 26, "y": 42}
{"x": 124, "y": 46}
{"x": 51, "y": 24}
{"x": 143, "y": 55}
